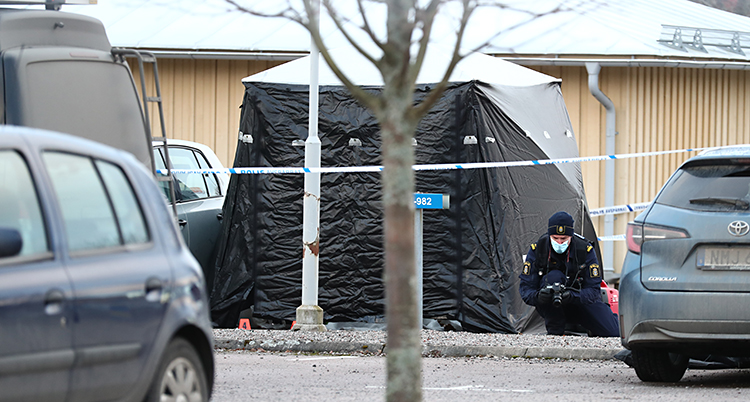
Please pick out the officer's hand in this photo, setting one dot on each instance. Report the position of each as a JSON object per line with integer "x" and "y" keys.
{"x": 567, "y": 297}
{"x": 544, "y": 296}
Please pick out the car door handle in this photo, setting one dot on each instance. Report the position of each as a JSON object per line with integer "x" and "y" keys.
{"x": 53, "y": 301}
{"x": 182, "y": 222}
{"x": 153, "y": 289}
{"x": 153, "y": 283}
{"x": 219, "y": 216}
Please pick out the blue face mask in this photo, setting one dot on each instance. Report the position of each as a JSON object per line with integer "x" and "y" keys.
{"x": 559, "y": 248}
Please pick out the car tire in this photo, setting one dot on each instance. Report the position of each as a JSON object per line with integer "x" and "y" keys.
{"x": 653, "y": 365}
{"x": 181, "y": 375}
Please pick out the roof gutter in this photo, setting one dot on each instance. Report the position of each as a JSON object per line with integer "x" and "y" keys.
{"x": 629, "y": 62}
{"x": 525, "y": 61}
{"x": 217, "y": 55}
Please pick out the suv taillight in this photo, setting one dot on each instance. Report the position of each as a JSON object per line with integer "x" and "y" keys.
{"x": 638, "y": 233}
{"x": 634, "y": 237}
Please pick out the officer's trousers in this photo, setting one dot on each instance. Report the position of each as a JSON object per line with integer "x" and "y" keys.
{"x": 596, "y": 318}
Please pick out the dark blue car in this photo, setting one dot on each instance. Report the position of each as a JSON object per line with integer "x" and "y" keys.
{"x": 99, "y": 297}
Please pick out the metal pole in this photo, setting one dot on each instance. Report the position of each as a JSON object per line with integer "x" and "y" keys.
{"x": 418, "y": 259}
{"x": 309, "y": 314}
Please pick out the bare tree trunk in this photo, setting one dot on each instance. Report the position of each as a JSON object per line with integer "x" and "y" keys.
{"x": 398, "y": 117}
{"x": 404, "y": 357}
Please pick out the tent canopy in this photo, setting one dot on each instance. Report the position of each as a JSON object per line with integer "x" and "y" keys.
{"x": 472, "y": 252}
{"x": 475, "y": 66}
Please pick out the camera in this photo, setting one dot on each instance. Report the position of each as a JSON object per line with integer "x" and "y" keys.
{"x": 557, "y": 292}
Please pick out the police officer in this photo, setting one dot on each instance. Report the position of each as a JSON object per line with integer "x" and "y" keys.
{"x": 562, "y": 279}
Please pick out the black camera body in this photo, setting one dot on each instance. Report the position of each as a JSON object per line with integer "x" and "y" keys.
{"x": 557, "y": 293}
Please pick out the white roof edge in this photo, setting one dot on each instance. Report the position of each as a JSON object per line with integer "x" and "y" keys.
{"x": 620, "y": 29}
{"x": 475, "y": 66}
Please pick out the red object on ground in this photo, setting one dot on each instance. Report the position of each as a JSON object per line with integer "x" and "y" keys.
{"x": 613, "y": 297}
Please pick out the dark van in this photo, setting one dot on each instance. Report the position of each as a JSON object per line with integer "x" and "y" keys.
{"x": 60, "y": 73}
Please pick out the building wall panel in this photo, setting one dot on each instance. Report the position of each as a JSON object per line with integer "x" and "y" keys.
{"x": 201, "y": 100}
{"x": 658, "y": 109}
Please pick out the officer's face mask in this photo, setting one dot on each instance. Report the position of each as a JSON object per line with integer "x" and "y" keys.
{"x": 560, "y": 247}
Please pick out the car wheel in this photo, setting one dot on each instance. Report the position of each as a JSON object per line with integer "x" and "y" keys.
{"x": 659, "y": 366}
{"x": 181, "y": 377}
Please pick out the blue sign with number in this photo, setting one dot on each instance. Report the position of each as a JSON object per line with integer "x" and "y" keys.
{"x": 428, "y": 201}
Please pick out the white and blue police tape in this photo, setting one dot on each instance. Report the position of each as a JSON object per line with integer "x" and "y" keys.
{"x": 619, "y": 209}
{"x": 442, "y": 166}
{"x": 612, "y": 238}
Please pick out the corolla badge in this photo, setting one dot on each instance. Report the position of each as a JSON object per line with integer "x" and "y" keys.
{"x": 738, "y": 228}
{"x": 662, "y": 278}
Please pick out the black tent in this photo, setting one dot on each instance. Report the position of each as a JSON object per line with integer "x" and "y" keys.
{"x": 492, "y": 111}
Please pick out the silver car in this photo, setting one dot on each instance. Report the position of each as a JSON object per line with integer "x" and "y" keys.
{"x": 685, "y": 282}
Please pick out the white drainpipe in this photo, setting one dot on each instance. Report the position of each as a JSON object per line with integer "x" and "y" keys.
{"x": 609, "y": 167}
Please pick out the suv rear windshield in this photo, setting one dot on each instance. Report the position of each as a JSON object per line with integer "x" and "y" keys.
{"x": 713, "y": 186}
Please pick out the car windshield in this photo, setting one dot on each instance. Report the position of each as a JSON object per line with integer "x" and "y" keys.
{"x": 709, "y": 187}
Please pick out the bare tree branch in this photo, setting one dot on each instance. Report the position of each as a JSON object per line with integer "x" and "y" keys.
{"x": 340, "y": 26}
{"x": 532, "y": 16}
{"x": 369, "y": 100}
{"x": 427, "y": 17}
{"x": 435, "y": 94}
{"x": 366, "y": 25}
{"x": 289, "y": 12}
{"x": 397, "y": 48}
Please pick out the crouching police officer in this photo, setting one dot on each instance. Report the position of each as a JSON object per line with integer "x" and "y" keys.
{"x": 562, "y": 279}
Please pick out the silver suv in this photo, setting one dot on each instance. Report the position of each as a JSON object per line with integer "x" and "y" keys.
{"x": 100, "y": 299}
{"x": 685, "y": 282}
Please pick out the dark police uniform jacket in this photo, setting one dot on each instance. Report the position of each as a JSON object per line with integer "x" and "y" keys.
{"x": 578, "y": 262}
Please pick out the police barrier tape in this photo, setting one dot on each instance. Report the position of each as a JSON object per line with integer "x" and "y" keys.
{"x": 442, "y": 166}
{"x": 447, "y": 166}
{"x": 619, "y": 209}
{"x": 612, "y": 238}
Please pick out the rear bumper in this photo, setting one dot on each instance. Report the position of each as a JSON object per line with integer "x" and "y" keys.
{"x": 699, "y": 322}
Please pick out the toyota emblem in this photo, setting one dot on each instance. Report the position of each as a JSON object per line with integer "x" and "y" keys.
{"x": 738, "y": 228}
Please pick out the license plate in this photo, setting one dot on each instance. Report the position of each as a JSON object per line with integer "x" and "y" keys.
{"x": 724, "y": 258}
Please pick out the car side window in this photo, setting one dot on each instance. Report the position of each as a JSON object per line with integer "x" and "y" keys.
{"x": 127, "y": 210}
{"x": 19, "y": 204}
{"x": 96, "y": 216}
{"x": 212, "y": 182}
{"x": 190, "y": 185}
{"x": 159, "y": 164}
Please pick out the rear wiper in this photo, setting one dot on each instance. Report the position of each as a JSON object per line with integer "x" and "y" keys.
{"x": 736, "y": 202}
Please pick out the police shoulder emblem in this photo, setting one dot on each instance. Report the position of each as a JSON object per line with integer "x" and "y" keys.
{"x": 594, "y": 270}
{"x": 527, "y": 268}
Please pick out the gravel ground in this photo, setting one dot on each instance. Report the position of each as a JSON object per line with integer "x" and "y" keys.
{"x": 429, "y": 337}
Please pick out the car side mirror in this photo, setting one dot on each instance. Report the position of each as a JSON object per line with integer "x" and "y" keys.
{"x": 10, "y": 242}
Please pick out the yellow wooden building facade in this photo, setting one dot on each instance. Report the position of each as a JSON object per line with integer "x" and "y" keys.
{"x": 657, "y": 109}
